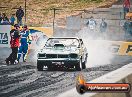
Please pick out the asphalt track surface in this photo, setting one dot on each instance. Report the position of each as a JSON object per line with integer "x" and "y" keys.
{"x": 23, "y": 79}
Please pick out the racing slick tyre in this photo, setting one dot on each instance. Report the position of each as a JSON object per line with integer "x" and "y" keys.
{"x": 78, "y": 66}
{"x": 39, "y": 66}
{"x": 84, "y": 65}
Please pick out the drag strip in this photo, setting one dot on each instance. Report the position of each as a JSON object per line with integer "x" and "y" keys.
{"x": 23, "y": 80}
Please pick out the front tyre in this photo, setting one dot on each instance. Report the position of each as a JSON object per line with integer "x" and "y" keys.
{"x": 39, "y": 66}
{"x": 84, "y": 65}
{"x": 78, "y": 66}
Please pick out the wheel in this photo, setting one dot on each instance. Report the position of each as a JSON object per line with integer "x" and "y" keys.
{"x": 39, "y": 66}
{"x": 86, "y": 58}
{"x": 77, "y": 67}
{"x": 84, "y": 65}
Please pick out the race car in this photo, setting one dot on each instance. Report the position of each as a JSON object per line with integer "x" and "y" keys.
{"x": 62, "y": 52}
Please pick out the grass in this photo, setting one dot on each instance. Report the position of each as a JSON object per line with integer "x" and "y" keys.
{"x": 39, "y": 11}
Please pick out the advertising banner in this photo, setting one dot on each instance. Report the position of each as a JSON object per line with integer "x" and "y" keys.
{"x": 5, "y": 35}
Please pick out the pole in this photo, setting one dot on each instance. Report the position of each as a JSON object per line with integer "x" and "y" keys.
{"x": 25, "y": 11}
{"x": 54, "y": 20}
{"x": 54, "y": 9}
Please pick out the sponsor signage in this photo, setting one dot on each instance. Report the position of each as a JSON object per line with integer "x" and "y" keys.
{"x": 121, "y": 48}
{"x": 82, "y": 86}
{"x": 5, "y": 35}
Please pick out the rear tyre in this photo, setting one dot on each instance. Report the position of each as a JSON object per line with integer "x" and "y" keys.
{"x": 39, "y": 66}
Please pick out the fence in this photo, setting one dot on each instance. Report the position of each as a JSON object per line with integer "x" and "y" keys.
{"x": 64, "y": 22}
{"x": 114, "y": 18}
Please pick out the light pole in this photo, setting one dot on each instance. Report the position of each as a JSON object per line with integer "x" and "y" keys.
{"x": 54, "y": 20}
{"x": 25, "y": 10}
{"x": 54, "y": 9}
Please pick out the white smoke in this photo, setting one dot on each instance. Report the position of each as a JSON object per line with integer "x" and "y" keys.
{"x": 97, "y": 47}
{"x": 37, "y": 45}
